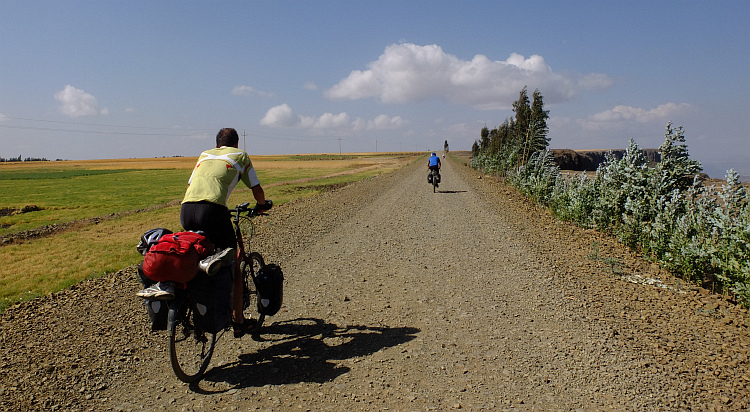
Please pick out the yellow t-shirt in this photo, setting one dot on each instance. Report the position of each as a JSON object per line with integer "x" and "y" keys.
{"x": 217, "y": 173}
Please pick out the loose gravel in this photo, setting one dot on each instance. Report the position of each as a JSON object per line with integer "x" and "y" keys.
{"x": 398, "y": 298}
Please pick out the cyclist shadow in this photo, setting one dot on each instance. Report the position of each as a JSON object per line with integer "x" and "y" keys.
{"x": 451, "y": 191}
{"x": 305, "y": 350}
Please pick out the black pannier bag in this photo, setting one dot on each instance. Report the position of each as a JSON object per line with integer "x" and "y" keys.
{"x": 437, "y": 176}
{"x": 270, "y": 284}
{"x": 211, "y": 300}
{"x": 158, "y": 311}
{"x": 429, "y": 178}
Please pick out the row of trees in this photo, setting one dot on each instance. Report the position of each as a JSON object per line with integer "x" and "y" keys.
{"x": 28, "y": 159}
{"x": 511, "y": 144}
{"x": 665, "y": 211}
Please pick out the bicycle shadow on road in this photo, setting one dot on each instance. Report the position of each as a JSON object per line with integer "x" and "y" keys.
{"x": 451, "y": 191}
{"x": 305, "y": 350}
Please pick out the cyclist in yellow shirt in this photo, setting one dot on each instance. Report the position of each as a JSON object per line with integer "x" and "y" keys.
{"x": 204, "y": 207}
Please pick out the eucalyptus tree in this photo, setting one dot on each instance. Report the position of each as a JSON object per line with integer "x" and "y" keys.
{"x": 530, "y": 126}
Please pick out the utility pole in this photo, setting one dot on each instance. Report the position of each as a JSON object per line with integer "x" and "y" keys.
{"x": 339, "y": 146}
{"x": 244, "y": 142}
{"x": 376, "y": 146}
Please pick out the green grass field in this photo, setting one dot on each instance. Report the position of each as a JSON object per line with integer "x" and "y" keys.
{"x": 114, "y": 202}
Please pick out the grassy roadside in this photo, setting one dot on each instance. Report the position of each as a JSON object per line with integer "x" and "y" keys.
{"x": 59, "y": 192}
{"x": 51, "y": 263}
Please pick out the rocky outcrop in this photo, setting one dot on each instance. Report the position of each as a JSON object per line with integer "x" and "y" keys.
{"x": 589, "y": 160}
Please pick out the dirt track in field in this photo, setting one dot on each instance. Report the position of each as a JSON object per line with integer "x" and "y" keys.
{"x": 401, "y": 299}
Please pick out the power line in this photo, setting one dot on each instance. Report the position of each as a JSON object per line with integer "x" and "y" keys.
{"x": 49, "y": 129}
{"x": 96, "y": 124}
{"x": 182, "y": 132}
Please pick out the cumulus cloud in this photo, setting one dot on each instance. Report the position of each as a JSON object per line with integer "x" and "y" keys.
{"x": 78, "y": 103}
{"x": 248, "y": 91}
{"x": 624, "y": 114}
{"x": 383, "y": 122}
{"x": 380, "y": 122}
{"x": 242, "y": 90}
{"x": 409, "y": 73}
{"x": 282, "y": 116}
{"x": 331, "y": 121}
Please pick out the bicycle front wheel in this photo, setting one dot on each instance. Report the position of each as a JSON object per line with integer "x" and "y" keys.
{"x": 249, "y": 267}
{"x": 190, "y": 351}
{"x": 247, "y": 230}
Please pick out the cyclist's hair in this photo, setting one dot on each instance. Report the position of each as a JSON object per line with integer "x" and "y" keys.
{"x": 227, "y": 137}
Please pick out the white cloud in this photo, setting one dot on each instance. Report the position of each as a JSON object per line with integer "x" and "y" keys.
{"x": 282, "y": 116}
{"x": 409, "y": 73}
{"x": 78, "y": 103}
{"x": 3, "y": 118}
{"x": 310, "y": 86}
{"x": 383, "y": 122}
{"x": 611, "y": 129}
{"x": 248, "y": 91}
{"x": 331, "y": 121}
{"x": 594, "y": 81}
{"x": 242, "y": 90}
{"x": 628, "y": 114}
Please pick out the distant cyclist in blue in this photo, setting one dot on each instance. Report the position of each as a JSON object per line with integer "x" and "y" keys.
{"x": 434, "y": 164}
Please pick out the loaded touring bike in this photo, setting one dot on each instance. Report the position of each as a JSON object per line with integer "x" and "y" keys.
{"x": 190, "y": 348}
{"x": 433, "y": 178}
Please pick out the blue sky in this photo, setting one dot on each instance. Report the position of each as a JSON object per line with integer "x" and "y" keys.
{"x": 113, "y": 79}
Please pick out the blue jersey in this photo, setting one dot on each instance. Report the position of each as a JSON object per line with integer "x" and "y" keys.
{"x": 434, "y": 161}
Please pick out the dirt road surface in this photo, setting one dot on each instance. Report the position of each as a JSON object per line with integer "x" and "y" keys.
{"x": 401, "y": 299}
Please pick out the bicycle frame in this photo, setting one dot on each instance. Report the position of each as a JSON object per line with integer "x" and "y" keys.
{"x": 236, "y": 218}
{"x": 190, "y": 348}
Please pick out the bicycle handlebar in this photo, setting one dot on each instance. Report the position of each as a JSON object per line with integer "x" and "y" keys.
{"x": 252, "y": 211}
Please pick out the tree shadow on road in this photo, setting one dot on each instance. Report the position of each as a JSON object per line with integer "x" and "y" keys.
{"x": 304, "y": 350}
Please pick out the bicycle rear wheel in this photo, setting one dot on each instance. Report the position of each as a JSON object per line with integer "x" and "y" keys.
{"x": 190, "y": 351}
{"x": 249, "y": 267}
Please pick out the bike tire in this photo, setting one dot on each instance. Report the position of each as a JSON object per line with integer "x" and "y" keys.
{"x": 434, "y": 185}
{"x": 249, "y": 267}
{"x": 190, "y": 352}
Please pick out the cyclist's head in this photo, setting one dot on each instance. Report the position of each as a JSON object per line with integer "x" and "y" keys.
{"x": 227, "y": 137}
{"x": 433, "y": 153}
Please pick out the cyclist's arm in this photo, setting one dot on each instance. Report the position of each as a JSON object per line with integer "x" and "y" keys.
{"x": 259, "y": 194}
{"x": 250, "y": 178}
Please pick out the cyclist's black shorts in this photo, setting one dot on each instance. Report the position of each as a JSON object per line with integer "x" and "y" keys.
{"x": 435, "y": 168}
{"x": 211, "y": 218}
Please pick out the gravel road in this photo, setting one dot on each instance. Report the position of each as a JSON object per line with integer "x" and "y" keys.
{"x": 401, "y": 299}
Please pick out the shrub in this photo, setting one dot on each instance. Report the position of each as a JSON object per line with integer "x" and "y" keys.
{"x": 700, "y": 233}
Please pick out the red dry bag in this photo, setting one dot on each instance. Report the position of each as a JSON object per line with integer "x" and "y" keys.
{"x": 175, "y": 257}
